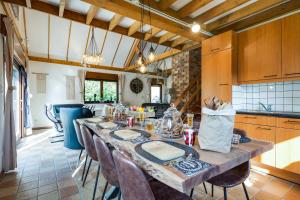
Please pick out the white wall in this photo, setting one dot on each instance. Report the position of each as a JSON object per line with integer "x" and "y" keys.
{"x": 56, "y": 89}
{"x": 2, "y": 96}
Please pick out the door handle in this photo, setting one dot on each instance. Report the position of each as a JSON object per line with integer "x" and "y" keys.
{"x": 292, "y": 122}
{"x": 268, "y": 76}
{"x": 268, "y": 129}
{"x": 250, "y": 117}
{"x": 291, "y": 73}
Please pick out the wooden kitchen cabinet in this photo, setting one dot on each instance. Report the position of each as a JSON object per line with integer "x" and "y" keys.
{"x": 218, "y": 69}
{"x": 287, "y": 149}
{"x": 218, "y": 43}
{"x": 291, "y": 46}
{"x": 259, "y": 53}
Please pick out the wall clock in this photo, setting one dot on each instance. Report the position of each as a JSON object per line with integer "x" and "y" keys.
{"x": 136, "y": 85}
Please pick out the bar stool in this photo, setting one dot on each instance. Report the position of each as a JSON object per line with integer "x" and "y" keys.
{"x": 134, "y": 184}
{"x": 87, "y": 136}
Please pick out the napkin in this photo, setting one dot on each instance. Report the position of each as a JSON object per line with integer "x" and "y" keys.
{"x": 127, "y": 134}
{"x": 162, "y": 150}
{"x": 108, "y": 125}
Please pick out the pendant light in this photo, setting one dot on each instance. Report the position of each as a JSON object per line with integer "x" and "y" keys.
{"x": 151, "y": 56}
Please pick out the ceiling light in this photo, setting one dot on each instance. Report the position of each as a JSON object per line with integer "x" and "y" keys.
{"x": 151, "y": 56}
{"x": 140, "y": 59}
{"x": 92, "y": 55}
{"x": 196, "y": 27}
{"x": 143, "y": 68}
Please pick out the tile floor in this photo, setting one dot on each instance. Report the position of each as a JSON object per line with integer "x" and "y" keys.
{"x": 47, "y": 171}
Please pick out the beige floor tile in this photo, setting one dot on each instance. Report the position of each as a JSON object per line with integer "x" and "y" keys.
{"x": 7, "y": 191}
{"x": 263, "y": 195}
{"x": 277, "y": 187}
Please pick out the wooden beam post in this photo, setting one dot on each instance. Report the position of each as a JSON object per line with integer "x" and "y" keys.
{"x": 114, "y": 21}
{"x": 28, "y": 3}
{"x": 91, "y": 14}
{"x": 62, "y": 4}
{"x": 134, "y": 28}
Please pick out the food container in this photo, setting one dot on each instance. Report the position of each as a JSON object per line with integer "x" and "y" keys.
{"x": 189, "y": 136}
{"x": 171, "y": 125}
{"x": 120, "y": 113}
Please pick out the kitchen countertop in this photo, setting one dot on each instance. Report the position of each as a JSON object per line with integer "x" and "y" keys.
{"x": 295, "y": 115}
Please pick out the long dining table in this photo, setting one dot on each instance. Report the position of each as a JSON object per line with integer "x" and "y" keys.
{"x": 221, "y": 162}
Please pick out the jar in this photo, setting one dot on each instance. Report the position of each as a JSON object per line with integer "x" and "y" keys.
{"x": 171, "y": 125}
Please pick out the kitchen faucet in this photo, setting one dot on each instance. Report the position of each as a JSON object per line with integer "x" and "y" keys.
{"x": 267, "y": 108}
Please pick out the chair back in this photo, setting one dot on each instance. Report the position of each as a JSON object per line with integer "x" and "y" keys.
{"x": 87, "y": 136}
{"x": 108, "y": 167}
{"x": 48, "y": 113}
{"x": 132, "y": 180}
{"x": 78, "y": 132}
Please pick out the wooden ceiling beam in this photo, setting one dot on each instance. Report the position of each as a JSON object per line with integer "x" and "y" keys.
{"x": 62, "y": 4}
{"x": 218, "y": 10}
{"x": 79, "y": 64}
{"x": 28, "y": 3}
{"x": 157, "y": 58}
{"x": 179, "y": 41}
{"x": 91, "y": 14}
{"x": 192, "y": 7}
{"x": 153, "y": 31}
{"x": 114, "y": 21}
{"x": 261, "y": 17}
{"x": 166, "y": 37}
{"x": 129, "y": 10}
{"x": 191, "y": 45}
{"x": 134, "y": 50}
{"x": 81, "y": 18}
{"x": 134, "y": 28}
{"x": 243, "y": 13}
{"x": 164, "y": 4}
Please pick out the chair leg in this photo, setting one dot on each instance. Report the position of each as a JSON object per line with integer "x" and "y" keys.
{"x": 225, "y": 193}
{"x": 104, "y": 191}
{"x": 192, "y": 191}
{"x": 204, "y": 187}
{"x": 245, "y": 189}
{"x": 212, "y": 190}
{"x": 86, "y": 158}
{"x": 80, "y": 154}
{"x": 87, "y": 172}
{"x": 119, "y": 195}
{"x": 96, "y": 182}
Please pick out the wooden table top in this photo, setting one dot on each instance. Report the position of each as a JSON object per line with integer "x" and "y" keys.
{"x": 170, "y": 176}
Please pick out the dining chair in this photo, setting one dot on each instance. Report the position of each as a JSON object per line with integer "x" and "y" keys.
{"x": 108, "y": 167}
{"x": 87, "y": 136}
{"x": 134, "y": 184}
{"x": 81, "y": 142}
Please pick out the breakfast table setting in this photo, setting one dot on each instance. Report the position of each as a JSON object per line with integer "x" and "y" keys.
{"x": 177, "y": 154}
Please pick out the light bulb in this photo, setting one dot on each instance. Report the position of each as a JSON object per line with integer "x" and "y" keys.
{"x": 140, "y": 59}
{"x": 196, "y": 27}
{"x": 151, "y": 55}
{"x": 143, "y": 68}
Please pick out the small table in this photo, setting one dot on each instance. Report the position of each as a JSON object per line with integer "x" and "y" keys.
{"x": 221, "y": 162}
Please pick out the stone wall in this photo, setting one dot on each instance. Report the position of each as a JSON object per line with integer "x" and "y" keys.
{"x": 185, "y": 68}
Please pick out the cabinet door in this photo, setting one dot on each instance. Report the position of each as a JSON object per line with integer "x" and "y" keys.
{"x": 287, "y": 149}
{"x": 269, "y": 50}
{"x": 208, "y": 77}
{"x": 265, "y": 133}
{"x": 247, "y": 61}
{"x": 291, "y": 46}
{"x": 206, "y": 47}
{"x": 222, "y": 41}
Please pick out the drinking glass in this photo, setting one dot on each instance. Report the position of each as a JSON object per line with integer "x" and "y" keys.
{"x": 149, "y": 125}
{"x": 142, "y": 118}
{"x": 190, "y": 119}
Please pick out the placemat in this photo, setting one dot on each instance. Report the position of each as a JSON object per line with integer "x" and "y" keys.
{"x": 127, "y": 134}
{"x": 107, "y": 125}
{"x": 188, "y": 151}
{"x": 191, "y": 166}
{"x": 94, "y": 120}
{"x": 143, "y": 134}
{"x": 140, "y": 140}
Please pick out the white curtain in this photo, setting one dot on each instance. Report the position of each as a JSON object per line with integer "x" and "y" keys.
{"x": 9, "y": 148}
{"x": 81, "y": 75}
{"x": 122, "y": 79}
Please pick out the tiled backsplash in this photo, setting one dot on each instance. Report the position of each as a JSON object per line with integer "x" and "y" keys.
{"x": 283, "y": 96}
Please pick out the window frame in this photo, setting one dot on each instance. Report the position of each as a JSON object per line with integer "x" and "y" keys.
{"x": 160, "y": 86}
{"x": 101, "y": 90}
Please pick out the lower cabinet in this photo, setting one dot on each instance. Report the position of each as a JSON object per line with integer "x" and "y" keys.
{"x": 288, "y": 149}
{"x": 265, "y": 133}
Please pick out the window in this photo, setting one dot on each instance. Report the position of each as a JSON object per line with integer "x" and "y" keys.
{"x": 156, "y": 93}
{"x": 97, "y": 91}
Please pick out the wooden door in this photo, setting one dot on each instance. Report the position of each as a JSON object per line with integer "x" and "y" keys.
{"x": 247, "y": 51}
{"x": 265, "y": 133}
{"x": 287, "y": 149}
{"x": 291, "y": 46}
{"x": 269, "y": 50}
{"x": 208, "y": 77}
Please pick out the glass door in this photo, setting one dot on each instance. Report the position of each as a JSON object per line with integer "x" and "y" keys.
{"x": 17, "y": 102}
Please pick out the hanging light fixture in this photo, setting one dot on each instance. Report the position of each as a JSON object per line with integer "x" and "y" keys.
{"x": 151, "y": 56}
{"x": 196, "y": 27}
{"x": 92, "y": 55}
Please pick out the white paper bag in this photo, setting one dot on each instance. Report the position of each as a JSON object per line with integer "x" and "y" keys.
{"x": 216, "y": 129}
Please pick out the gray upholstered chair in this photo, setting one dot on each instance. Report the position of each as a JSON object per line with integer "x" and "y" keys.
{"x": 108, "y": 167}
{"x": 134, "y": 184}
{"x": 87, "y": 136}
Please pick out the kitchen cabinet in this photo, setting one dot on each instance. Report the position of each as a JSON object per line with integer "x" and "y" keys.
{"x": 259, "y": 53}
{"x": 218, "y": 69}
{"x": 291, "y": 46}
{"x": 218, "y": 43}
{"x": 287, "y": 149}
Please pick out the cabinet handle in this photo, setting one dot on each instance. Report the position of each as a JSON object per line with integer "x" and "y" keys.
{"x": 224, "y": 84}
{"x": 216, "y": 49}
{"x": 268, "y": 129}
{"x": 291, "y": 74}
{"x": 270, "y": 76}
{"x": 292, "y": 122}
{"x": 250, "y": 117}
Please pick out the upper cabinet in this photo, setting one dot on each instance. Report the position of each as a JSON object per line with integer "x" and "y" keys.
{"x": 218, "y": 66}
{"x": 291, "y": 46}
{"x": 259, "y": 53}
